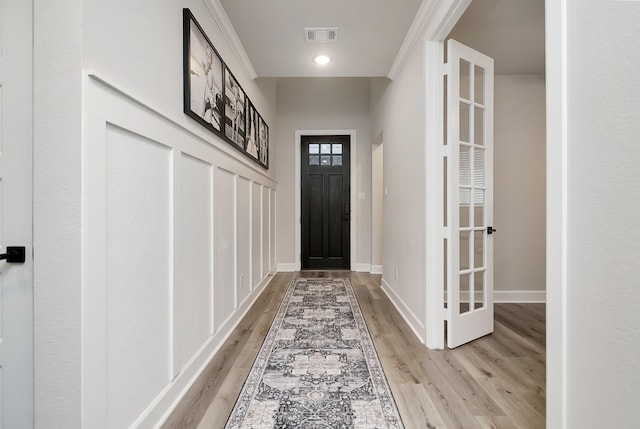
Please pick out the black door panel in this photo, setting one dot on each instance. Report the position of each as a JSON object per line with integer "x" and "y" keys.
{"x": 325, "y": 202}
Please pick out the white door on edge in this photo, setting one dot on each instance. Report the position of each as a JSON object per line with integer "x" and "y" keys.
{"x": 469, "y": 194}
{"x": 16, "y": 224}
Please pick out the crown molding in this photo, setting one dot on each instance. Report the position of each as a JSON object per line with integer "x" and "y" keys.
{"x": 222, "y": 19}
{"x": 433, "y": 21}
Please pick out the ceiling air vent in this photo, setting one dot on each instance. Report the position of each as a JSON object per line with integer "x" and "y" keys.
{"x": 321, "y": 35}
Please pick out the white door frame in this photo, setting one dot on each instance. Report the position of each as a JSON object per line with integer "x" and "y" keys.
{"x": 556, "y": 288}
{"x": 352, "y": 191}
{"x": 556, "y": 165}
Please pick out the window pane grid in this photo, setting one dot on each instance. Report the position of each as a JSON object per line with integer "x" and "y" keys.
{"x": 325, "y": 154}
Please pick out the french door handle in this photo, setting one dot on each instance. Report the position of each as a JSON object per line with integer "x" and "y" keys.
{"x": 491, "y": 230}
{"x": 14, "y": 255}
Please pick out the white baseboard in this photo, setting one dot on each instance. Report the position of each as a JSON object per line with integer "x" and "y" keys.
{"x": 287, "y": 268}
{"x": 414, "y": 322}
{"x": 512, "y": 296}
{"x": 520, "y": 296}
{"x": 162, "y": 408}
{"x": 363, "y": 268}
{"x": 376, "y": 269}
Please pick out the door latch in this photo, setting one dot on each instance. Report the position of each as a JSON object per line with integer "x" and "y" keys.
{"x": 491, "y": 230}
{"x": 14, "y": 255}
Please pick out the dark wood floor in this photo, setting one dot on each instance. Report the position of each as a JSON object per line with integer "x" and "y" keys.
{"x": 497, "y": 381}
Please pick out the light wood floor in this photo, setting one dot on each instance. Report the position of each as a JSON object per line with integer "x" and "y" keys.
{"x": 497, "y": 381}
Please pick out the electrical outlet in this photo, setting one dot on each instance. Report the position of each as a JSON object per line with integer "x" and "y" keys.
{"x": 241, "y": 281}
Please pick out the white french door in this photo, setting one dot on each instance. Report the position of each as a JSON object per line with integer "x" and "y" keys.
{"x": 16, "y": 274}
{"x": 469, "y": 194}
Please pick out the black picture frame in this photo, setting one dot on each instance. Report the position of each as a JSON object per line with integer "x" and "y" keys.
{"x": 203, "y": 76}
{"x": 214, "y": 98}
{"x": 252, "y": 131}
{"x": 263, "y": 143}
{"x": 235, "y": 107}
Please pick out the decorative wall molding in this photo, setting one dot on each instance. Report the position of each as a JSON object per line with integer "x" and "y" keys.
{"x": 119, "y": 131}
{"x": 434, "y": 21}
{"x": 198, "y": 132}
{"x": 222, "y": 19}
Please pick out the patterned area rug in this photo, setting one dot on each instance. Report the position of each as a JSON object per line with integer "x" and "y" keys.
{"x": 317, "y": 367}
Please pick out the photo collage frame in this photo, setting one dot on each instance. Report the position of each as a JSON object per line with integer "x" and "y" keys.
{"x": 214, "y": 98}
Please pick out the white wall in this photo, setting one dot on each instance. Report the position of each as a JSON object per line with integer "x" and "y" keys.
{"x": 152, "y": 236}
{"x": 377, "y": 206}
{"x": 398, "y": 112}
{"x": 319, "y": 104}
{"x": 603, "y": 154}
{"x": 519, "y": 184}
{"x": 56, "y": 211}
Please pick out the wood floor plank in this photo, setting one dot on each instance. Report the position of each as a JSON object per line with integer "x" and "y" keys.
{"x": 497, "y": 381}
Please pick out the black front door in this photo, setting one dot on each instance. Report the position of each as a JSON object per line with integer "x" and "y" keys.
{"x": 325, "y": 202}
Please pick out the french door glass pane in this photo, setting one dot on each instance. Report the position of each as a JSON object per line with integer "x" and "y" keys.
{"x": 478, "y": 167}
{"x": 465, "y": 134}
{"x": 478, "y": 126}
{"x": 478, "y": 246}
{"x": 465, "y": 165}
{"x": 314, "y": 148}
{"x": 478, "y": 285}
{"x": 465, "y": 263}
{"x": 478, "y": 208}
{"x": 465, "y": 78}
{"x": 479, "y": 84}
{"x": 465, "y": 284}
{"x": 465, "y": 213}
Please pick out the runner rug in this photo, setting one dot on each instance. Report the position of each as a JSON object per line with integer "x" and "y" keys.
{"x": 317, "y": 367}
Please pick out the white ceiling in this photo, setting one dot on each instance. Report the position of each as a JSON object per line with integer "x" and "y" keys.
{"x": 369, "y": 37}
{"x": 372, "y": 31}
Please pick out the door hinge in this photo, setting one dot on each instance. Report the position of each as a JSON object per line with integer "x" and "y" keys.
{"x": 446, "y": 69}
{"x": 445, "y": 232}
{"x": 445, "y": 314}
{"x": 445, "y": 151}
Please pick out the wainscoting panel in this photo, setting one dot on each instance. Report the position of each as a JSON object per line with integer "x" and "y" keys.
{"x": 256, "y": 233}
{"x": 138, "y": 219}
{"x": 193, "y": 323}
{"x": 272, "y": 232}
{"x": 243, "y": 277}
{"x": 177, "y": 229}
{"x": 266, "y": 211}
{"x": 224, "y": 297}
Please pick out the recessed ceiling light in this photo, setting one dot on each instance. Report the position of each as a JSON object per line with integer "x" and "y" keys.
{"x": 322, "y": 60}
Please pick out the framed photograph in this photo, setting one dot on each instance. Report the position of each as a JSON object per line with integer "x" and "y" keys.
{"x": 235, "y": 101}
{"x": 263, "y": 143}
{"x": 252, "y": 131}
{"x": 203, "y": 76}
{"x": 214, "y": 98}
